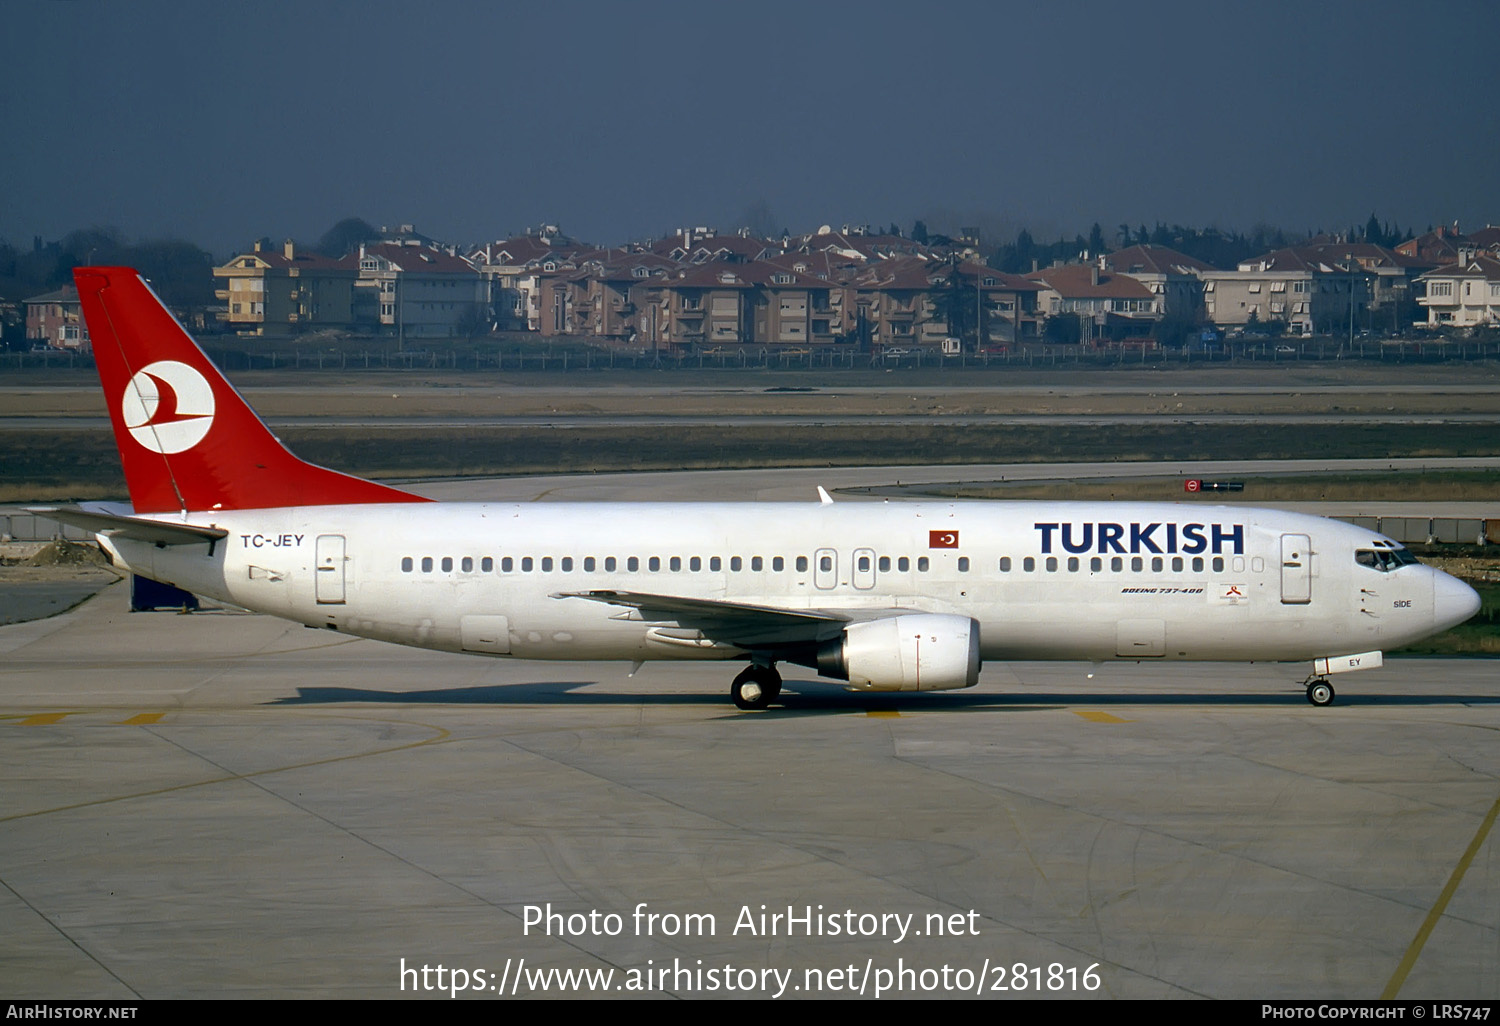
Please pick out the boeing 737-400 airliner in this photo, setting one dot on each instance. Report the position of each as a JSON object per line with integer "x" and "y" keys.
{"x": 888, "y": 596}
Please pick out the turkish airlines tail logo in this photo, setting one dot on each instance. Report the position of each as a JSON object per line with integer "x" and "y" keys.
{"x": 168, "y": 406}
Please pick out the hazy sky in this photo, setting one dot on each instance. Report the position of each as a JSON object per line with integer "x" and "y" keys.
{"x": 224, "y": 122}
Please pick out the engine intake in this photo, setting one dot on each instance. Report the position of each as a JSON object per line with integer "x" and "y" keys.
{"x": 910, "y": 652}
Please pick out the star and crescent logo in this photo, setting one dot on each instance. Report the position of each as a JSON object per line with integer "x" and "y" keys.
{"x": 168, "y": 406}
{"x": 942, "y": 539}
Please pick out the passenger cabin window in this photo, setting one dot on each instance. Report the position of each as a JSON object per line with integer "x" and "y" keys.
{"x": 406, "y": 564}
{"x": 802, "y": 564}
{"x": 487, "y": 564}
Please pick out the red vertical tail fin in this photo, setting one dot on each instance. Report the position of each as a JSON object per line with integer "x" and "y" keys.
{"x": 187, "y": 439}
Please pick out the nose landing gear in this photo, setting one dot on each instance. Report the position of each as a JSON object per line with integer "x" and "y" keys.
{"x": 756, "y": 687}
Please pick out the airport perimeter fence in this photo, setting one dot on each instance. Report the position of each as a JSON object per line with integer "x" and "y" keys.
{"x": 19, "y": 526}
{"x": 481, "y": 357}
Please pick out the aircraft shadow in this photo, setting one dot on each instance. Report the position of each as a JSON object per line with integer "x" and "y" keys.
{"x": 820, "y": 698}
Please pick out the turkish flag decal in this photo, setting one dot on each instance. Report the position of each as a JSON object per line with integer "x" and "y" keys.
{"x": 942, "y": 539}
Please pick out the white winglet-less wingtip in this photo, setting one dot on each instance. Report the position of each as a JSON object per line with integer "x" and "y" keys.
{"x": 892, "y": 596}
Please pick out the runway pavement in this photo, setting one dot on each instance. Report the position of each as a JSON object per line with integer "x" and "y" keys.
{"x": 221, "y": 804}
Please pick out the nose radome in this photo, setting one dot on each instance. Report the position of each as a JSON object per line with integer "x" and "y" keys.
{"x": 1453, "y": 601}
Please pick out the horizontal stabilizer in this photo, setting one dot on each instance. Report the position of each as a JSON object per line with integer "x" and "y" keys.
{"x": 153, "y": 531}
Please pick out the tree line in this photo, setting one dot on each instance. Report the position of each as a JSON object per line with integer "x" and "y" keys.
{"x": 1211, "y": 245}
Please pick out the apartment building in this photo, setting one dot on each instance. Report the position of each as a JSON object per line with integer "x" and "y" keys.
{"x": 1306, "y": 290}
{"x": 283, "y": 290}
{"x": 915, "y": 300}
{"x": 412, "y": 290}
{"x": 514, "y": 268}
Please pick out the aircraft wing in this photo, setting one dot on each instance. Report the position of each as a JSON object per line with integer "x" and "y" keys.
{"x": 739, "y": 623}
{"x": 697, "y": 609}
{"x": 154, "y": 531}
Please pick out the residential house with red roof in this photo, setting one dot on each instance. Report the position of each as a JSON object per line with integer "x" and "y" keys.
{"x": 1107, "y": 304}
{"x": 1172, "y": 277}
{"x": 56, "y": 320}
{"x": 702, "y": 245}
{"x": 1465, "y": 293}
{"x": 1437, "y": 248}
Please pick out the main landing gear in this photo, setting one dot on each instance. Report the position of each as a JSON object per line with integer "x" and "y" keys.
{"x": 1319, "y": 691}
{"x": 756, "y": 687}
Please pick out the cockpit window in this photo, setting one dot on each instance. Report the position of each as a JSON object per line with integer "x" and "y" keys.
{"x": 1384, "y": 559}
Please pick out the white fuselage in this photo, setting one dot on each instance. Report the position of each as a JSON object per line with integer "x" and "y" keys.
{"x": 1042, "y": 580}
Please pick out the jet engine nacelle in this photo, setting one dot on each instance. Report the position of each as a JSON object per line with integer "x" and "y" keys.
{"x": 911, "y": 652}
